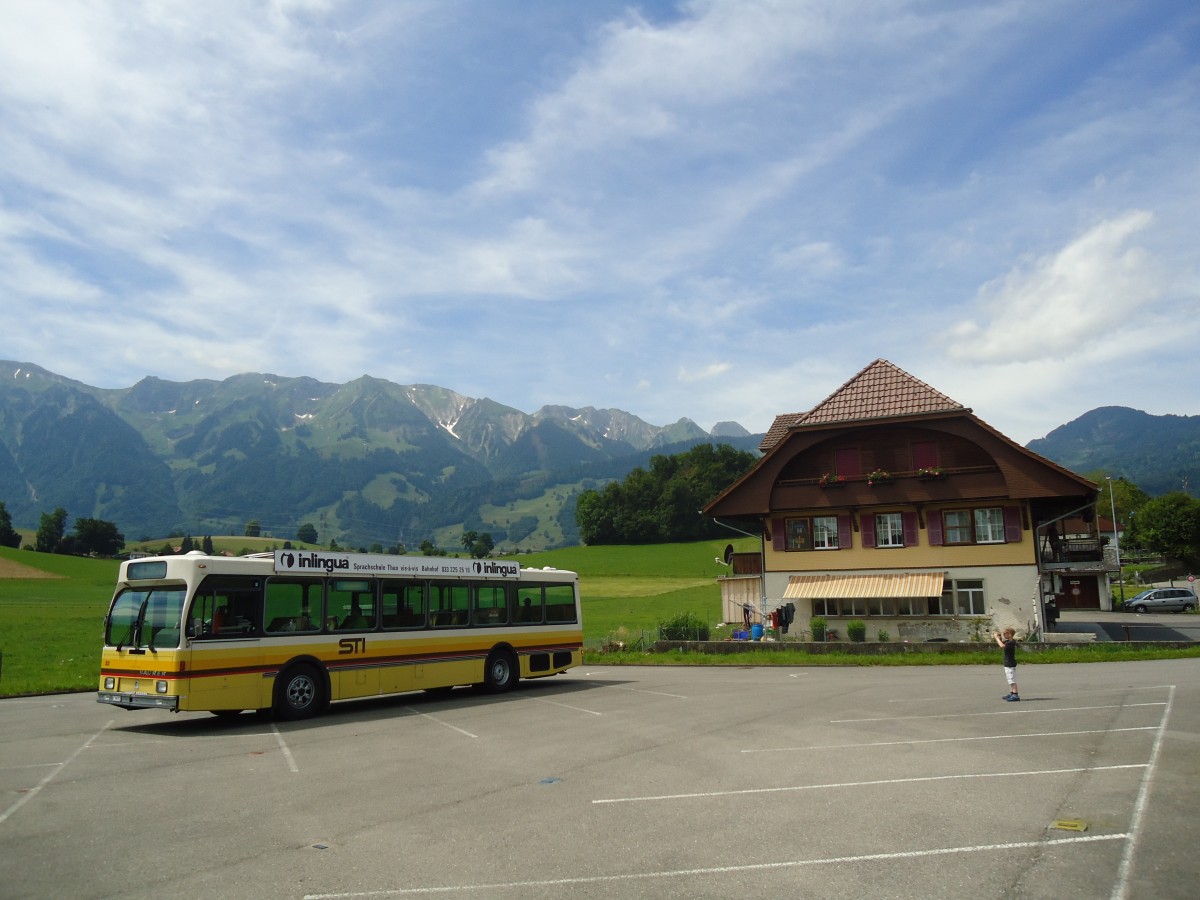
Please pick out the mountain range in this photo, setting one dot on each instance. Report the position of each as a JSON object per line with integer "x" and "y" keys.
{"x": 365, "y": 462}
{"x": 373, "y": 462}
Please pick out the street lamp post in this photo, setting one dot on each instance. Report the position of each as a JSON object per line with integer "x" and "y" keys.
{"x": 1112, "y": 505}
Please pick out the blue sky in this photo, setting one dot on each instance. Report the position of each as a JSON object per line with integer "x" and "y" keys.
{"x": 714, "y": 210}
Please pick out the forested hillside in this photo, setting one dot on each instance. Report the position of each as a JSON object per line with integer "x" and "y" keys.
{"x": 367, "y": 462}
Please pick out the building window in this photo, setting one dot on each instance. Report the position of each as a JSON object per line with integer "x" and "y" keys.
{"x": 799, "y": 534}
{"x": 883, "y": 606}
{"x": 958, "y": 526}
{"x": 973, "y": 526}
{"x": 815, "y": 533}
{"x": 825, "y": 532}
{"x": 959, "y": 598}
{"x": 989, "y": 526}
{"x": 889, "y": 530}
{"x": 968, "y": 595}
{"x": 924, "y": 455}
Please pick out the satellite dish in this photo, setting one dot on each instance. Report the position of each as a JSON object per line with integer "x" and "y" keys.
{"x": 728, "y": 554}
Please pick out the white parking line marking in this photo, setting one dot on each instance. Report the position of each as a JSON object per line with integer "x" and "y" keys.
{"x": 287, "y": 753}
{"x": 851, "y": 784}
{"x": 590, "y": 712}
{"x": 1121, "y": 888}
{"x": 986, "y": 737}
{"x": 1005, "y": 712}
{"x": 58, "y": 767}
{"x": 659, "y": 693}
{"x": 718, "y": 870}
{"x": 425, "y": 715}
{"x": 1120, "y": 690}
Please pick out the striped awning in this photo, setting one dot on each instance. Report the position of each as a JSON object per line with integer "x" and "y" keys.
{"x": 888, "y": 584}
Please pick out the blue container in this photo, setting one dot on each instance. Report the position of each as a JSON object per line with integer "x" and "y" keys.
{"x": 756, "y": 632}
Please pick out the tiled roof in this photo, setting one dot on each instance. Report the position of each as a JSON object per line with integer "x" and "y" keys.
{"x": 878, "y": 391}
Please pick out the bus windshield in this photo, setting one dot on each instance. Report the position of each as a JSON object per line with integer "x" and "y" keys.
{"x": 146, "y": 617}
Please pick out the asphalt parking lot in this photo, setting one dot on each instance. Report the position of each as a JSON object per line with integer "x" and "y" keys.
{"x": 1127, "y": 626}
{"x": 626, "y": 782}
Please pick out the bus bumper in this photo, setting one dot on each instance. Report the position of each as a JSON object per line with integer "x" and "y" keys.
{"x": 127, "y": 700}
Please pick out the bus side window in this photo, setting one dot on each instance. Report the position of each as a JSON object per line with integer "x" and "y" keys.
{"x": 449, "y": 604}
{"x": 402, "y": 604}
{"x": 293, "y": 604}
{"x": 226, "y": 606}
{"x": 491, "y": 604}
{"x": 560, "y": 603}
{"x": 528, "y": 608}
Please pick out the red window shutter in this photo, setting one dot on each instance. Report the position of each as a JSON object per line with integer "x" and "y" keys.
{"x": 845, "y": 529}
{"x": 911, "y": 533}
{"x": 933, "y": 527}
{"x": 778, "y": 538}
{"x": 868, "y": 530}
{"x": 1012, "y": 524}
{"x": 847, "y": 462}
{"x": 924, "y": 455}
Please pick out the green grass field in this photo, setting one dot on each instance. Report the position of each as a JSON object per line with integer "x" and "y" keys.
{"x": 50, "y": 627}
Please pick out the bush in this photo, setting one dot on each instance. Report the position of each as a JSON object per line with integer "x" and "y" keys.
{"x": 817, "y": 625}
{"x": 684, "y": 627}
{"x": 856, "y": 630}
{"x": 883, "y": 636}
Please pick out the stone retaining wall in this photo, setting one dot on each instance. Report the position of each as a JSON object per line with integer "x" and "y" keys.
{"x": 881, "y": 649}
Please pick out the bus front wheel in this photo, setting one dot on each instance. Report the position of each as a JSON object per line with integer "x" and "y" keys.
{"x": 500, "y": 672}
{"x": 298, "y": 693}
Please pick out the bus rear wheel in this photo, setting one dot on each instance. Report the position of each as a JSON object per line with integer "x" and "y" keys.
{"x": 500, "y": 672}
{"x": 299, "y": 693}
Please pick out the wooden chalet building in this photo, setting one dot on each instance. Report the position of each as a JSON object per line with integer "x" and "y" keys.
{"x": 891, "y": 503}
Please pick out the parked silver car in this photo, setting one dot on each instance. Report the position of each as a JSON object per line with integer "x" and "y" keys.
{"x": 1158, "y": 599}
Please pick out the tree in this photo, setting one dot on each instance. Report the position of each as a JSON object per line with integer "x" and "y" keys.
{"x": 253, "y": 528}
{"x": 478, "y": 545}
{"x": 9, "y": 537}
{"x": 50, "y": 532}
{"x": 98, "y": 537}
{"x": 1126, "y": 497}
{"x": 307, "y": 533}
{"x": 207, "y": 545}
{"x": 661, "y": 504}
{"x": 1170, "y": 524}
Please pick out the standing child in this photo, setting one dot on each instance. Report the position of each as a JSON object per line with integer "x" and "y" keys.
{"x": 1009, "y": 643}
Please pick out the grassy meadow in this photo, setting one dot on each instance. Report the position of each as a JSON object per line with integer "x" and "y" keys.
{"x": 52, "y": 610}
{"x": 51, "y": 625}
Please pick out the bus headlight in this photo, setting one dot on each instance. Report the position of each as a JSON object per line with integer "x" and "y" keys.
{"x": 110, "y": 683}
{"x": 160, "y": 687}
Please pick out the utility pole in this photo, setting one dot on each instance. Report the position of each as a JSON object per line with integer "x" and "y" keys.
{"x": 1112, "y": 505}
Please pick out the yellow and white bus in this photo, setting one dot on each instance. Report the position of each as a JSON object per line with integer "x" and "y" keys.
{"x": 292, "y": 630}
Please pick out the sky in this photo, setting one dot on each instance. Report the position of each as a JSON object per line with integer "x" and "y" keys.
{"x": 714, "y": 210}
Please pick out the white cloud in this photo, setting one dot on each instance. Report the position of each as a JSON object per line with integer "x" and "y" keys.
{"x": 1079, "y": 294}
{"x": 712, "y": 370}
{"x": 711, "y": 209}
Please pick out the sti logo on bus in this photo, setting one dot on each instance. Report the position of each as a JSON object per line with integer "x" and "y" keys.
{"x": 495, "y": 568}
{"x": 313, "y": 561}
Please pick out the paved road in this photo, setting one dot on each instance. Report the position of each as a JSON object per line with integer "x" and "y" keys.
{"x": 626, "y": 782}
{"x": 1124, "y": 626}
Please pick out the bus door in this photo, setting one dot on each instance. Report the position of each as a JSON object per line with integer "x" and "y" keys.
{"x": 224, "y": 627}
{"x": 403, "y": 608}
{"x": 352, "y": 611}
